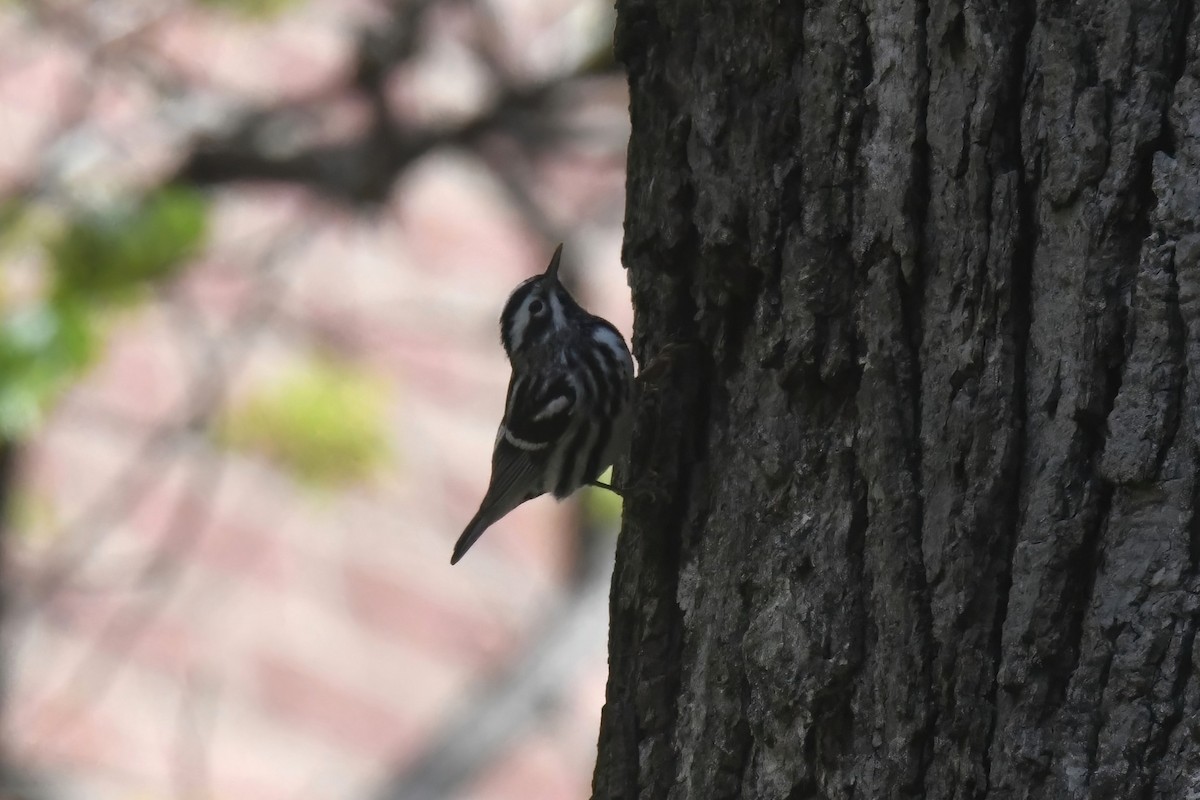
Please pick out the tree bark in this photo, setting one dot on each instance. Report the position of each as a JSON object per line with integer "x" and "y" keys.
{"x": 922, "y": 522}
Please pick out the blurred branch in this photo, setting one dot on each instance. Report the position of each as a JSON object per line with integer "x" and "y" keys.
{"x": 78, "y": 539}
{"x": 95, "y": 669}
{"x": 8, "y": 485}
{"x": 109, "y": 43}
{"x": 146, "y": 466}
{"x": 18, "y": 782}
{"x": 512, "y": 701}
{"x": 360, "y": 171}
{"x": 381, "y": 48}
{"x": 193, "y": 739}
{"x": 8, "y": 475}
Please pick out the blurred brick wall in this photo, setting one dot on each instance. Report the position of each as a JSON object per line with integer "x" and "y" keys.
{"x": 228, "y": 632}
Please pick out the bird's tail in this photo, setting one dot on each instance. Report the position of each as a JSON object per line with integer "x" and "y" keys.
{"x": 511, "y": 470}
{"x": 475, "y": 528}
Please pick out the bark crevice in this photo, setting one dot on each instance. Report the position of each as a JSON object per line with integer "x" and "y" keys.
{"x": 946, "y": 540}
{"x": 1022, "y": 263}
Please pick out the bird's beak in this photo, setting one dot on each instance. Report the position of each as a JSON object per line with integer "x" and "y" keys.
{"x": 552, "y": 270}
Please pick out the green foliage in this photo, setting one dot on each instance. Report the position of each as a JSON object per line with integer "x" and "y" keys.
{"x": 95, "y": 261}
{"x": 40, "y": 349}
{"x": 110, "y": 256}
{"x": 254, "y": 9}
{"x": 34, "y": 517}
{"x": 323, "y": 422}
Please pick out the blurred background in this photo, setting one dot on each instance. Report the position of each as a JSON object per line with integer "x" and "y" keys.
{"x": 252, "y": 255}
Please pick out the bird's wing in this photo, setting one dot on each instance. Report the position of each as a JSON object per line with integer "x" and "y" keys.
{"x": 538, "y": 410}
{"x": 515, "y": 479}
{"x": 536, "y": 416}
{"x": 514, "y": 476}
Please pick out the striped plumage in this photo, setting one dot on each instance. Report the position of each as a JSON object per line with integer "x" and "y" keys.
{"x": 568, "y": 411}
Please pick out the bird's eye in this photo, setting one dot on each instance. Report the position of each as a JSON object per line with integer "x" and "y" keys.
{"x": 536, "y": 307}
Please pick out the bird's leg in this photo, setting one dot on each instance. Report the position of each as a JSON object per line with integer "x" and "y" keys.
{"x": 619, "y": 492}
{"x": 657, "y": 384}
{"x": 650, "y": 384}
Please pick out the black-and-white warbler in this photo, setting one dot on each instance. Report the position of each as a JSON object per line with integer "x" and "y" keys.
{"x": 569, "y": 407}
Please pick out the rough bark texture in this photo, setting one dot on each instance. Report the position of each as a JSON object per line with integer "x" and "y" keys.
{"x": 922, "y": 520}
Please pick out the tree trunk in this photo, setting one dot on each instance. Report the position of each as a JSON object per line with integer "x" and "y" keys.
{"x": 922, "y": 522}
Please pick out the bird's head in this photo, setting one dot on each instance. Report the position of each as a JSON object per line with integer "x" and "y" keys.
{"x": 537, "y": 311}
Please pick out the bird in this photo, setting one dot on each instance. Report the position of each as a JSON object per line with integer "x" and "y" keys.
{"x": 569, "y": 407}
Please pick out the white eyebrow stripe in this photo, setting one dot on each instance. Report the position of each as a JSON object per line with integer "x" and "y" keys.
{"x": 553, "y": 407}
{"x": 559, "y": 319}
{"x": 517, "y": 332}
